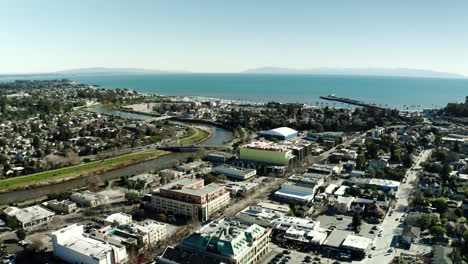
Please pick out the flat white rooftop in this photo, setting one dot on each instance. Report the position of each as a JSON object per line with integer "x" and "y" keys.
{"x": 295, "y": 195}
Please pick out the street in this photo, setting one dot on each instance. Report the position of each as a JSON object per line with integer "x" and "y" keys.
{"x": 391, "y": 222}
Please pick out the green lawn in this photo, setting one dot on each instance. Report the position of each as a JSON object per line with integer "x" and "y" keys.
{"x": 196, "y": 135}
{"x": 74, "y": 171}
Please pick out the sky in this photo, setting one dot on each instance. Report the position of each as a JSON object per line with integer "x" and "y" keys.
{"x": 232, "y": 36}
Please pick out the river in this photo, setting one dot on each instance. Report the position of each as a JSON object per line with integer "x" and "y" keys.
{"x": 219, "y": 136}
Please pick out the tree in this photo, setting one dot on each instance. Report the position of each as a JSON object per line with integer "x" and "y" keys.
{"x": 438, "y": 231}
{"x": 360, "y": 161}
{"x": 440, "y": 205}
{"x": 353, "y": 191}
{"x": 12, "y": 222}
{"x": 407, "y": 161}
{"x": 426, "y": 221}
{"x": 162, "y": 217}
{"x": 372, "y": 150}
{"x": 21, "y": 234}
{"x": 131, "y": 197}
{"x": 395, "y": 155}
{"x": 36, "y": 142}
{"x": 356, "y": 222}
{"x": 456, "y": 148}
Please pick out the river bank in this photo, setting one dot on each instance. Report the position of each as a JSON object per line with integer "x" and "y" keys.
{"x": 79, "y": 171}
{"x": 171, "y": 159}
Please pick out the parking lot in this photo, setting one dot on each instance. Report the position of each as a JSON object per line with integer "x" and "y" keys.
{"x": 342, "y": 222}
{"x": 279, "y": 255}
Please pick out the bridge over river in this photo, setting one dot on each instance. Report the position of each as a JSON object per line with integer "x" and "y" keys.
{"x": 192, "y": 147}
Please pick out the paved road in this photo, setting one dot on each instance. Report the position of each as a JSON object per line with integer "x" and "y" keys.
{"x": 390, "y": 224}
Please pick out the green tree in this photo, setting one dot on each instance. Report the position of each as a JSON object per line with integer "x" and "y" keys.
{"x": 21, "y": 234}
{"x": 361, "y": 161}
{"x": 356, "y": 222}
{"x": 426, "y": 221}
{"x": 12, "y": 222}
{"x": 440, "y": 205}
{"x": 162, "y": 217}
{"x": 131, "y": 197}
{"x": 395, "y": 155}
{"x": 438, "y": 231}
{"x": 36, "y": 142}
{"x": 407, "y": 160}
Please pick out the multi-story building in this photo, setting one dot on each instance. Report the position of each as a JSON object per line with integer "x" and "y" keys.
{"x": 267, "y": 152}
{"x": 30, "y": 216}
{"x": 64, "y": 206}
{"x": 190, "y": 197}
{"x": 222, "y": 241}
{"x": 292, "y": 192}
{"x": 118, "y": 219}
{"x": 89, "y": 199}
{"x": 326, "y": 169}
{"x": 72, "y": 245}
{"x": 235, "y": 172}
{"x": 149, "y": 232}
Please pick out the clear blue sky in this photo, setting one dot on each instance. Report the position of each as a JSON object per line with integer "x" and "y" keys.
{"x": 231, "y": 36}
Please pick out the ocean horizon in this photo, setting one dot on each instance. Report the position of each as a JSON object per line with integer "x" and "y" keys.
{"x": 412, "y": 93}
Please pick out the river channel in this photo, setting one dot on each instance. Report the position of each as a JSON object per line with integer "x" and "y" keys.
{"x": 219, "y": 136}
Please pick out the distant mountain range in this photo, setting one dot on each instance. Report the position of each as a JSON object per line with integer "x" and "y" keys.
{"x": 402, "y": 72}
{"x": 92, "y": 71}
{"x": 114, "y": 71}
{"x": 264, "y": 70}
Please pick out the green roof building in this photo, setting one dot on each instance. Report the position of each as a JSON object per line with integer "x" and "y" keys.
{"x": 222, "y": 241}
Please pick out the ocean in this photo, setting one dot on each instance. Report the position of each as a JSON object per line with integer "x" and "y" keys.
{"x": 395, "y": 92}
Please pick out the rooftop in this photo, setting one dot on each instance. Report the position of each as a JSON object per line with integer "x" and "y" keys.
{"x": 226, "y": 236}
{"x": 383, "y": 182}
{"x": 358, "y": 242}
{"x": 280, "y": 131}
{"x": 266, "y": 145}
{"x": 120, "y": 218}
{"x": 295, "y": 194}
{"x": 336, "y": 237}
{"x": 88, "y": 196}
{"x": 29, "y": 214}
{"x": 227, "y": 167}
{"x": 73, "y": 238}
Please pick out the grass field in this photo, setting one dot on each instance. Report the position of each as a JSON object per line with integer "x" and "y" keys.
{"x": 74, "y": 171}
{"x": 197, "y": 134}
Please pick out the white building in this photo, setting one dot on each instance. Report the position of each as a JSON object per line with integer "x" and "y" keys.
{"x": 118, "y": 219}
{"x": 385, "y": 184}
{"x": 71, "y": 245}
{"x": 291, "y": 191}
{"x": 325, "y": 168}
{"x": 64, "y": 206}
{"x": 341, "y": 191}
{"x": 357, "y": 243}
{"x": 149, "y": 232}
{"x": 343, "y": 204}
{"x": 89, "y": 199}
{"x": 30, "y": 216}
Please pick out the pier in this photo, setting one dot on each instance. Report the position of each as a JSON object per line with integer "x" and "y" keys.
{"x": 332, "y": 97}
